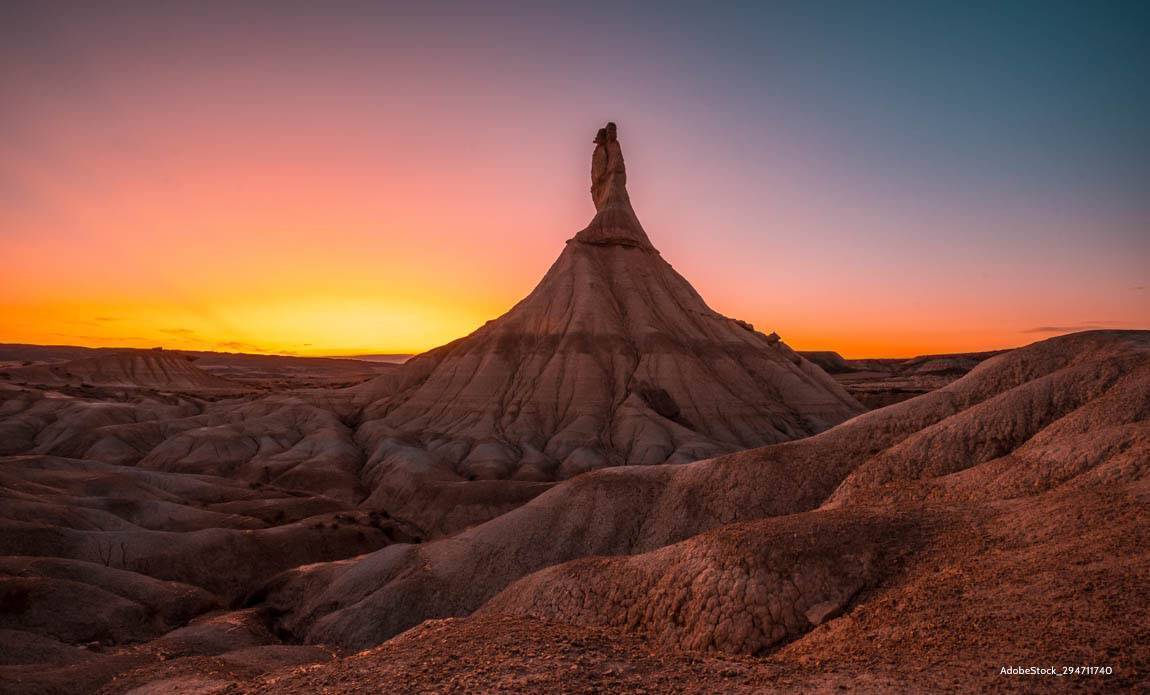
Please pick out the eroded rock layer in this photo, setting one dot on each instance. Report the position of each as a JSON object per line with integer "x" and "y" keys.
{"x": 1068, "y": 413}
{"x": 613, "y": 359}
{"x": 157, "y": 369}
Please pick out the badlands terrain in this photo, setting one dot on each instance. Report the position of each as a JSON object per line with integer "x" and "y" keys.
{"x": 611, "y": 488}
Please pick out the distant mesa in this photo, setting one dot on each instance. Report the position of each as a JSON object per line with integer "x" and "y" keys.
{"x": 44, "y": 364}
{"x": 831, "y": 362}
{"x": 154, "y": 369}
{"x": 880, "y": 382}
{"x": 385, "y": 358}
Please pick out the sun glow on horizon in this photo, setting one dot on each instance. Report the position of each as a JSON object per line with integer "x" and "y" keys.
{"x": 269, "y": 178}
{"x": 312, "y": 325}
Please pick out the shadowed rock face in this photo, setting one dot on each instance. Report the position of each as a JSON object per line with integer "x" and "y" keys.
{"x": 613, "y": 359}
{"x": 742, "y": 588}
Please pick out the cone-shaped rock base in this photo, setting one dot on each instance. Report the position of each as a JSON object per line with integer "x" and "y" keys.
{"x": 613, "y": 359}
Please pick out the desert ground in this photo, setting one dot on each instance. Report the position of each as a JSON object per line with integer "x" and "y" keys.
{"x": 610, "y": 488}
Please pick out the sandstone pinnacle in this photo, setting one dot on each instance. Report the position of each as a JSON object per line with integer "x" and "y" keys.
{"x": 615, "y": 221}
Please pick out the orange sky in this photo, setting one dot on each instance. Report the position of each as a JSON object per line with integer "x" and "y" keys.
{"x": 341, "y": 194}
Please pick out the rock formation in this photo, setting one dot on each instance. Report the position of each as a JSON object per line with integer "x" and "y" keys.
{"x": 1068, "y": 413}
{"x": 615, "y": 221}
{"x": 881, "y": 382}
{"x": 613, "y": 359}
{"x": 153, "y": 369}
{"x": 468, "y": 513}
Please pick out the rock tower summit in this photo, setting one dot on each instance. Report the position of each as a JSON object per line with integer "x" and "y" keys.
{"x": 615, "y": 221}
{"x": 612, "y": 359}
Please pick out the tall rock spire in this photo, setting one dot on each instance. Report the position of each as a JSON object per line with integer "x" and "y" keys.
{"x": 615, "y": 221}
{"x": 608, "y": 171}
{"x": 612, "y": 359}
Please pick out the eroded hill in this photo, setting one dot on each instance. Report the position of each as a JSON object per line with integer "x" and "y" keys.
{"x": 518, "y": 510}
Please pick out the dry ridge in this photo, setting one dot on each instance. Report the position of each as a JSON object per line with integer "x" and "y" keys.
{"x": 1068, "y": 411}
{"x": 998, "y": 521}
{"x": 155, "y": 369}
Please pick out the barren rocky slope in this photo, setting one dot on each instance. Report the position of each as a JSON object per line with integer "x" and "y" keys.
{"x": 162, "y": 531}
{"x": 1000, "y": 521}
{"x": 121, "y": 468}
{"x": 1066, "y": 413}
{"x": 1049, "y": 580}
{"x": 927, "y": 538}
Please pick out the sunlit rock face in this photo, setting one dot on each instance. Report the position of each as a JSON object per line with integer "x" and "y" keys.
{"x": 613, "y": 359}
{"x": 748, "y": 551}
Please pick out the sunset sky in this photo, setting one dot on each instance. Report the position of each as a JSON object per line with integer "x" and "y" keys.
{"x": 880, "y": 179}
